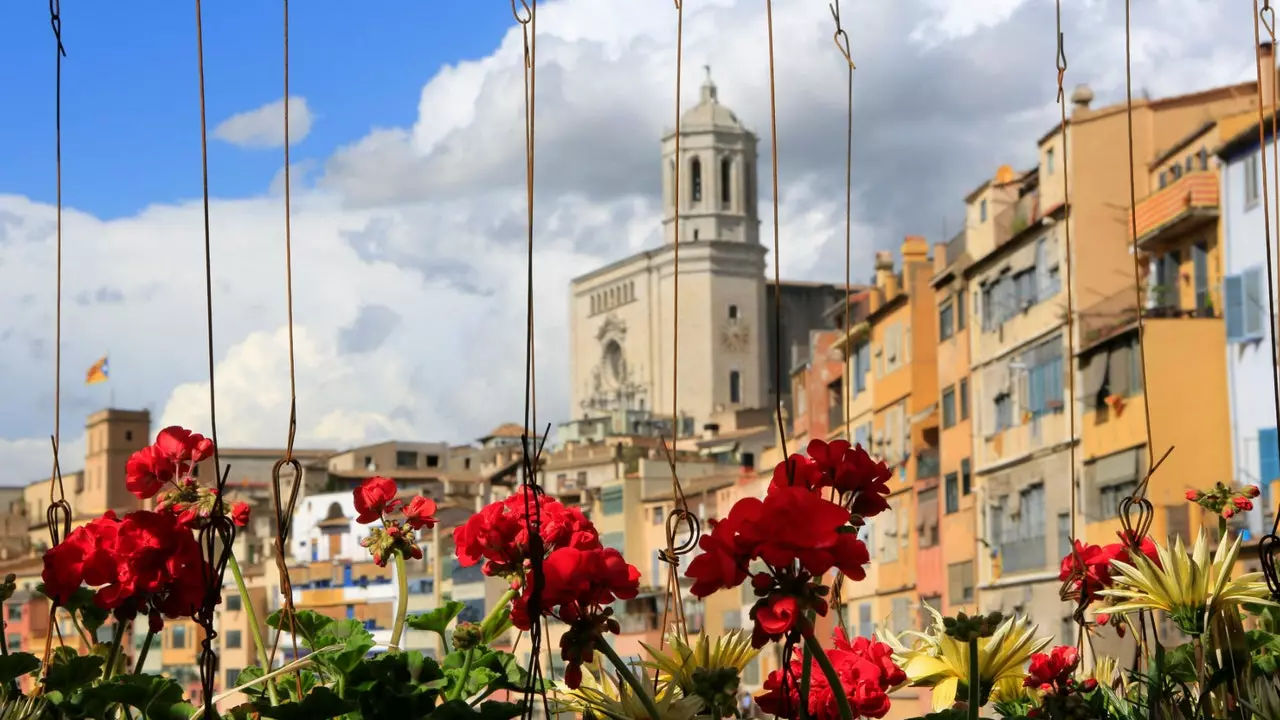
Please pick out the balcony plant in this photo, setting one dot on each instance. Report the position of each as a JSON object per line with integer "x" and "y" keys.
{"x": 136, "y": 572}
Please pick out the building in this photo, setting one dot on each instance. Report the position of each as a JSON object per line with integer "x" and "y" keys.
{"x": 623, "y": 315}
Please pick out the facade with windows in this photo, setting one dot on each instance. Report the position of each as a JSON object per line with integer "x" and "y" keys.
{"x": 1251, "y": 372}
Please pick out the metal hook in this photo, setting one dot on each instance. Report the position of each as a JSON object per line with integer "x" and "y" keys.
{"x": 840, "y": 37}
{"x": 55, "y": 21}
{"x": 527, "y": 15}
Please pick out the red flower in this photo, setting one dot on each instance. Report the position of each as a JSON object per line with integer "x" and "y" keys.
{"x": 420, "y": 513}
{"x": 147, "y": 471}
{"x": 375, "y": 496}
{"x": 1097, "y": 572}
{"x": 797, "y": 471}
{"x": 144, "y": 563}
{"x": 183, "y": 446}
{"x": 860, "y": 482}
{"x": 774, "y": 618}
{"x": 1242, "y": 503}
{"x": 499, "y": 533}
{"x": 1229, "y": 513}
{"x": 867, "y": 673}
{"x": 1053, "y": 671}
{"x": 1194, "y": 495}
{"x": 240, "y": 513}
{"x": 1251, "y": 491}
{"x": 578, "y": 587}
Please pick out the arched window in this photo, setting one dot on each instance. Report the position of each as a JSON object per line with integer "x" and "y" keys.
{"x": 735, "y": 386}
{"x": 695, "y": 186}
{"x": 726, "y": 181}
{"x": 671, "y": 180}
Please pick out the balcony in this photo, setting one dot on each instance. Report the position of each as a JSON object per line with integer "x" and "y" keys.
{"x": 1019, "y": 216}
{"x": 1168, "y": 215}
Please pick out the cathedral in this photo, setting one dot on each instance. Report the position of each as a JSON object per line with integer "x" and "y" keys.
{"x": 623, "y": 316}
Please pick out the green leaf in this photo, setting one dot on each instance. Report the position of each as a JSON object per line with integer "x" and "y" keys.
{"x": 68, "y": 674}
{"x": 308, "y": 623}
{"x": 498, "y": 710}
{"x": 436, "y": 621}
{"x": 512, "y": 675}
{"x": 156, "y": 697}
{"x": 320, "y": 704}
{"x": 15, "y": 665}
{"x": 488, "y": 710}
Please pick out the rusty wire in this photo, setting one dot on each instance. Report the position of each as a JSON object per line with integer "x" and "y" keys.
{"x": 841, "y": 40}
{"x": 1269, "y": 544}
{"x": 58, "y": 512}
{"x": 283, "y": 503}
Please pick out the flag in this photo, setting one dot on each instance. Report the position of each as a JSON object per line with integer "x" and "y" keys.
{"x": 97, "y": 373}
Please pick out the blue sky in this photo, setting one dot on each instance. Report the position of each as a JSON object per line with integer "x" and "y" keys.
{"x": 130, "y": 103}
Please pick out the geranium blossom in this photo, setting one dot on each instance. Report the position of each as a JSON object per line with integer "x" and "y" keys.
{"x": 499, "y": 533}
{"x": 867, "y": 673}
{"x": 375, "y": 501}
{"x": 169, "y": 462}
{"x": 144, "y": 563}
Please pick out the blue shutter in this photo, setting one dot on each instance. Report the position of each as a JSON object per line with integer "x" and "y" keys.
{"x": 1254, "y": 300}
{"x": 1233, "y": 293}
{"x": 1268, "y": 456}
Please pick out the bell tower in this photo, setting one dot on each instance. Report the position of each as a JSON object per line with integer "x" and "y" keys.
{"x": 718, "y": 188}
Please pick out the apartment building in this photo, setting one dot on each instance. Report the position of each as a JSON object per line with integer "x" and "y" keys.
{"x": 959, "y": 501}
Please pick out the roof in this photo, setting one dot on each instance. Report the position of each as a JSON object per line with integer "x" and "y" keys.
{"x": 507, "y": 430}
{"x": 698, "y": 485}
{"x": 709, "y": 113}
{"x": 1244, "y": 138}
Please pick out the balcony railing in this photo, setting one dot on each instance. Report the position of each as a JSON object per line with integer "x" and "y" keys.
{"x": 1182, "y": 205}
{"x": 1017, "y": 217}
{"x": 1116, "y": 313}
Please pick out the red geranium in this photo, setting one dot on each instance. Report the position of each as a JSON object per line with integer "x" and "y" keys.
{"x": 578, "y": 587}
{"x": 169, "y": 462}
{"x": 861, "y": 482}
{"x": 867, "y": 673}
{"x": 375, "y": 499}
{"x": 499, "y": 533}
{"x": 147, "y": 471}
{"x": 143, "y": 563}
{"x": 240, "y": 513}
{"x": 1052, "y": 671}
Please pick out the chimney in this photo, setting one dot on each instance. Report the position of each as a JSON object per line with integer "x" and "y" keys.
{"x": 1267, "y": 67}
{"x": 1080, "y": 99}
{"x": 939, "y": 257}
{"x": 915, "y": 249}
{"x": 886, "y": 281}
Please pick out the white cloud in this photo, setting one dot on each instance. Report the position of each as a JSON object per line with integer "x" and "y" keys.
{"x": 264, "y": 127}
{"x": 428, "y": 222}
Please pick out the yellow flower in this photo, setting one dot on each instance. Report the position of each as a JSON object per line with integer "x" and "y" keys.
{"x": 602, "y": 698}
{"x": 676, "y": 665}
{"x": 1187, "y": 586}
{"x": 941, "y": 662}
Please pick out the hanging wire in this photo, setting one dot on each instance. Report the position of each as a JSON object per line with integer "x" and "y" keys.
{"x": 1270, "y": 543}
{"x": 283, "y": 503}
{"x": 841, "y": 39}
{"x": 220, "y": 526}
{"x": 58, "y": 512}
{"x": 680, "y": 517}
{"x": 526, "y": 15}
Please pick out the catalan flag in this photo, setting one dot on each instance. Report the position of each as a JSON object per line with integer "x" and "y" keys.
{"x": 97, "y": 373}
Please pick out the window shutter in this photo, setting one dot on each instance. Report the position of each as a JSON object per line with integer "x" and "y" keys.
{"x": 1233, "y": 292}
{"x": 1253, "y": 302}
{"x": 1268, "y": 456}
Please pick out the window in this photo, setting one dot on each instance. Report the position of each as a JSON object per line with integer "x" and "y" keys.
{"x": 611, "y": 501}
{"x": 982, "y": 211}
{"x": 1251, "y": 175}
{"x": 15, "y": 642}
{"x": 900, "y": 619}
{"x": 1268, "y": 458}
{"x": 1064, "y": 534}
{"x": 233, "y": 603}
{"x": 960, "y": 316}
{"x": 178, "y": 637}
{"x": 433, "y": 461}
{"x": 1048, "y": 161}
{"x": 15, "y": 613}
{"x": 889, "y": 534}
{"x": 966, "y": 478}
{"x": 953, "y": 493}
{"x": 658, "y": 515}
{"x": 1046, "y": 277}
{"x": 657, "y": 567}
{"x": 1024, "y": 289}
{"x": 732, "y": 619}
{"x": 927, "y": 504}
{"x": 735, "y": 386}
{"x": 1164, "y": 179}
{"x": 1003, "y": 411}
{"x": 233, "y": 677}
{"x": 751, "y": 673}
{"x": 861, "y": 366}
{"x": 946, "y": 320}
{"x": 733, "y": 312}
{"x": 964, "y": 398}
{"x": 948, "y": 407}
{"x": 1200, "y": 265}
{"x": 865, "y": 626}
{"x": 1244, "y": 310}
{"x": 926, "y": 602}
{"x": 695, "y": 188}
{"x": 232, "y": 639}
{"x": 1044, "y": 377}
{"x": 726, "y": 179}
{"x": 1022, "y": 544}
{"x": 1109, "y": 498}
{"x": 473, "y": 610}
{"x": 406, "y": 459}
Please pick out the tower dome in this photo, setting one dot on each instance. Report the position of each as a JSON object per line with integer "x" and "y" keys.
{"x": 709, "y": 113}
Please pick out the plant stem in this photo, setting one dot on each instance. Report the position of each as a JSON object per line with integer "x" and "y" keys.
{"x": 975, "y": 681}
{"x": 833, "y": 678}
{"x": 806, "y": 672}
{"x": 251, "y": 615}
{"x": 641, "y": 692}
{"x": 402, "y": 604}
{"x": 142, "y": 654}
{"x": 497, "y": 614}
{"x": 461, "y": 687}
{"x": 114, "y": 655}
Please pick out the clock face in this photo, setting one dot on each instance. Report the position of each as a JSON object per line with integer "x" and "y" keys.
{"x": 736, "y": 337}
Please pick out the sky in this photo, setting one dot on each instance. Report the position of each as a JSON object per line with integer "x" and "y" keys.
{"x": 407, "y": 181}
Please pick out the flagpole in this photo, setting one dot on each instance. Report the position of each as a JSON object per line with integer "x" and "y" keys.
{"x": 111, "y": 387}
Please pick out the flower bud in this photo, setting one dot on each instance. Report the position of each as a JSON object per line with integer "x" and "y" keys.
{"x": 1194, "y": 495}
{"x": 1251, "y": 491}
{"x": 1228, "y": 513}
{"x": 467, "y": 635}
{"x": 1090, "y": 685}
